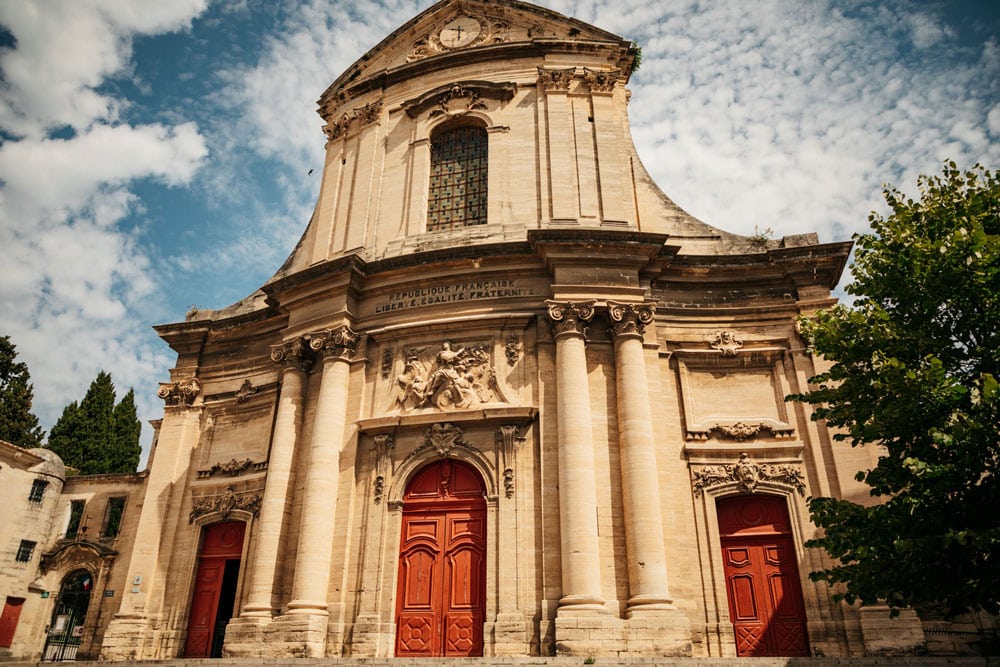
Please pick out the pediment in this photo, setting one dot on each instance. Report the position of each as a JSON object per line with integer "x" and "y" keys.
{"x": 456, "y": 26}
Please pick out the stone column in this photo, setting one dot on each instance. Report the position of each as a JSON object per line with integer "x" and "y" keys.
{"x": 296, "y": 361}
{"x": 647, "y": 569}
{"x": 581, "y": 572}
{"x": 312, "y": 563}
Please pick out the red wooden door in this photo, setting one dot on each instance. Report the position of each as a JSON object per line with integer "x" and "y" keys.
{"x": 440, "y": 602}
{"x": 8, "y": 620}
{"x": 762, "y": 578}
{"x": 222, "y": 543}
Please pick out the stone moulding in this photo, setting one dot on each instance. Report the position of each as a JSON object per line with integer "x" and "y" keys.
{"x": 746, "y": 475}
{"x": 473, "y": 91}
{"x": 233, "y": 468}
{"x": 507, "y": 414}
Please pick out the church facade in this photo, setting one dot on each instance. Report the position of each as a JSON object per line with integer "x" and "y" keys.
{"x": 503, "y": 398}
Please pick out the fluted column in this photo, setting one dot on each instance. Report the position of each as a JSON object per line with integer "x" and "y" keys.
{"x": 295, "y": 358}
{"x": 312, "y": 565}
{"x": 647, "y": 569}
{"x": 581, "y": 573}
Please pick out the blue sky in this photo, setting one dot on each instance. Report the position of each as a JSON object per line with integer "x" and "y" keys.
{"x": 155, "y": 156}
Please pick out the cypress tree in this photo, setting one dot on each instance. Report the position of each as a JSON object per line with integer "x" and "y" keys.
{"x": 64, "y": 438}
{"x": 18, "y": 425}
{"x": 124, "y": 456}
{"x": 97, "y": 426}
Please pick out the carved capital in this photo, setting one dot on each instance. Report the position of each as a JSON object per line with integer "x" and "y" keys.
{"x": 629, "y": 320}
{"x": 570, "y": 317}
{"x": 601, "y": 81}
{"x": 365, "y": 115}
{"x": 384, "y": 444}
{"x": 179, "y": 393}
{"x": 340, "y": 343}
{"x": 556, "y": 78}
{"x": 294, "y": 354}
{"x": 746, "y": 475}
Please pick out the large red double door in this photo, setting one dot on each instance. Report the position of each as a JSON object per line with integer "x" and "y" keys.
{"x": 440, "y": 602}
{"x": 214, "y": 589}
{"x": 762, "y": 578}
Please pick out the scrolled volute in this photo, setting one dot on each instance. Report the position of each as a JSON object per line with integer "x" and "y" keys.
{"x": 570, "y": 317}
{"x": 339, "y": 343}
{"x": 630, "y": 319}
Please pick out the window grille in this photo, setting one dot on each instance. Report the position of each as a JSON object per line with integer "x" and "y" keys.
{"x": 457, "y": 193}
{"x": 37, "y": 490}
{"x": 25, "y": 551}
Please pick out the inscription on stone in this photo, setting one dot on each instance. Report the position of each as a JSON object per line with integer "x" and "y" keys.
{"x": 474, "y": 290}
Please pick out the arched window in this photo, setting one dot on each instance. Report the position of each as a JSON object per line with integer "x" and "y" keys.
{"x": 457, "y": 196}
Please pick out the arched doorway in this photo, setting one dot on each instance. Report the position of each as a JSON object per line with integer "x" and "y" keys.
{"x": 440, "y": 600}
{"x": 214, "y": 589}
{"x": 68, "y": 616}
{"x": 762, "y": 578}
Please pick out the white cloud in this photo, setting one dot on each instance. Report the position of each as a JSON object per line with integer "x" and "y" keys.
{"x": 76, "y": 285}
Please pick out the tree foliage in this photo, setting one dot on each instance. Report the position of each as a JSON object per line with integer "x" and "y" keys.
{"x": 914, "y": 368}
{"x": 96, "y": 436}
{"x": 18, "y": 424}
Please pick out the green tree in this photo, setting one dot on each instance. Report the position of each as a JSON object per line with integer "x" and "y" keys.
{"x": 914, "y": 368}
{"x": 128, "y": 428}
{"x": 96, "y": 436}
{"x": 18, "y": 425}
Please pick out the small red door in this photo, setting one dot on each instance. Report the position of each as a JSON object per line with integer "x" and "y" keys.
{"x": 762, "y": 578}
{"x": 8, "y": 620}
{"x": 214, "y": 587}
{"x": 440, "y": 602}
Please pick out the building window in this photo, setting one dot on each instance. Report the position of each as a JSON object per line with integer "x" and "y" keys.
{"x": 25, "y": 551}
{"x": 457, "y": 196}
{"x": 75, "y": 516}
{"x": 113, "y": 517}
{"x": 38, "y": 490}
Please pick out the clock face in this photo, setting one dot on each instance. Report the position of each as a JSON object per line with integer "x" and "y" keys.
{"x": 460, "y": 32}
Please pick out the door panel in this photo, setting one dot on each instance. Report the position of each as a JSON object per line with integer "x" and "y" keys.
{"x": 762, "y": 580}
{"x": 8, "y": 620}
{"x": 221, "y": 542}
{"x": 440, "y": 604}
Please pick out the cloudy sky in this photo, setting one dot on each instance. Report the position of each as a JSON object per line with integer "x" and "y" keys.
{"x": 156, "y": 155}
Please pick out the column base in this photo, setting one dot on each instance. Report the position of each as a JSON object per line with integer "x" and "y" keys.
{"x": 247, "y": 637}
{"x": 642, "y": 604}
{"x": 124, "y": 638}
{"x": 661, "y": 633}
{"x": 300, "y": 635}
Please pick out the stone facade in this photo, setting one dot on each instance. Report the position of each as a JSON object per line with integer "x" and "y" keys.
{"x": 75, "y": 525}
{"x": 605, "y": 369}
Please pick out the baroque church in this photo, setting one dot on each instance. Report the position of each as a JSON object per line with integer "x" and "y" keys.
{"x": 504, "y": 398}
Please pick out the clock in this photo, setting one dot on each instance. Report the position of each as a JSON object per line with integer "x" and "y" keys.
{"x": 460, "y": 32}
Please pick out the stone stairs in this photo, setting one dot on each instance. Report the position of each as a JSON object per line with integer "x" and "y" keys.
{"x": 538, "y": 661}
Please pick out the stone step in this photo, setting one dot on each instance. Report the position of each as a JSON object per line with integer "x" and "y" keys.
{"x": 880, "y": 661}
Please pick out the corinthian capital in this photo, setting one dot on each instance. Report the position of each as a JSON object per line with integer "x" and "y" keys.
{"x": 556, "y": 78}
{"x": 570, "y": 317}
{"x": 292, "y": 354}
{"x": 339, "y": 343}
{"x": 630, "y": 319}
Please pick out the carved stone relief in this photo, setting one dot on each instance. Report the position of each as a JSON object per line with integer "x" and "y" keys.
{"x": 513, "y": 349}
{"x": 747, "y": 474}
{"x": 225, "y": 503}
{"x": 507, "y": 438}
{"x": 491, "y": 30}
{"x": 233, "y": 468}
{"x": 443, "y": 439}
{"x": 727, "y": 343}
{"x": 246, "y": 391}
{"x": 454, "y": 377}
{"x": 459, "y": 97}
{"x": 384, "y": 444}
{"x": 179, "y": 393}
{"x": 388, "y": 360}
